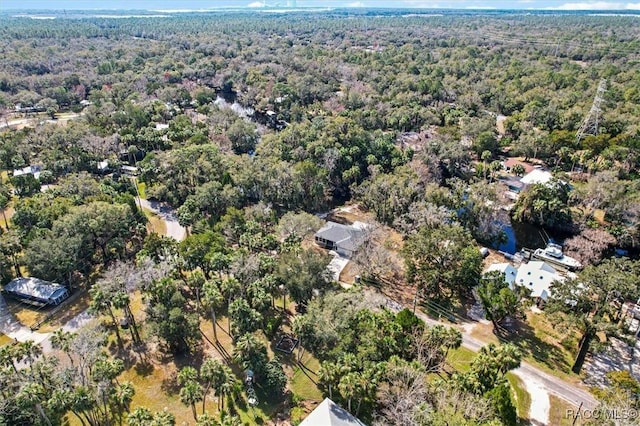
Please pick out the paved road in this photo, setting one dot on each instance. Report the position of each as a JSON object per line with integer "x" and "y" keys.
{"x": 551, "y": 384}
{"x": 174, "y": 229}
{"x": 11, "y": 327}
{"x": 558, "y": 387}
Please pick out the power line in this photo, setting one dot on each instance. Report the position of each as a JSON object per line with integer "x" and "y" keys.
{"x": 591, "y": 123}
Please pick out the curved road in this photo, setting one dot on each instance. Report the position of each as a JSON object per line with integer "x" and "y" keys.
{"x": 569, "y": 392}
{"x": 11, "y": 327}
{"x": 558, "y": 387}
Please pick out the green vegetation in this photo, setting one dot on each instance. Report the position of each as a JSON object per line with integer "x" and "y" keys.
{"x": 522, "y": 398}
{"x": 5, "y": 340}
{"x": 246, "y": 127}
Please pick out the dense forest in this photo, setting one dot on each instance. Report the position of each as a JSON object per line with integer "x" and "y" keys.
{"x": 247, "y": 127}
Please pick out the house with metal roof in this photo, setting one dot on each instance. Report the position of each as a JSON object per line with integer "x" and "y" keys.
{"x": 36, "y": 291}
{"x": 34, "y": 170}
{"x": 537, "y": 276}
{"x": 344, "y": 239}
{"x": 328, "y": 413}
{"x": 537, "y": 176}
{"x": 507, "y": 269}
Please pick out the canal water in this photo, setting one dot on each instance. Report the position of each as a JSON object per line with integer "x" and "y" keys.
{"x": 521, "y": 235}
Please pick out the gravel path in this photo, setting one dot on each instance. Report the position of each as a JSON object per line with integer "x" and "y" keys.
{"x": 539, "y": 409}
{"x": 174, "y": 229}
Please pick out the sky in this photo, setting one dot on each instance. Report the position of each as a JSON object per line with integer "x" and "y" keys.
{"x": 426, "y": 4}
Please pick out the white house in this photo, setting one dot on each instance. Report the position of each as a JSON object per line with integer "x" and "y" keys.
{"x": 29, "y": 170}
{"x": 537, "y": 276}
{"x": 507, "y": 269}
{"x": 328, "y": 413}
{"x": 537, "y": 176}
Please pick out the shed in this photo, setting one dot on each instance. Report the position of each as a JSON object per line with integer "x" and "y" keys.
{"x": 328, "y": 413}
{"x": 34, "y": 290}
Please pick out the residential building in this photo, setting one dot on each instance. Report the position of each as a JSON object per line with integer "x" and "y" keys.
{"x": 328, "y": 413}
{"x": 344, "y": 239}
{"x": 37, "y": 291}
{"x": 536, "y": 276}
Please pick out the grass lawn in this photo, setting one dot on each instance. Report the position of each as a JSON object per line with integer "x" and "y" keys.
{"x": 460, "y": 359}
{"x": 27, "y": 314}
{"x": 142, "y": 190}
{"x": 560, "y": 412}
{"x": 155, "y": 224}
{"x": 8, "y": 213}
{"x": 4, "y": 339}
{"x": 154, "y": 391}
{"x": 541, "y": 344}
{"x": 60, "y": 318}
{"x": 521, "y": 397}
{"x": 303, "y": 381}
{"x": 267, "y": 405}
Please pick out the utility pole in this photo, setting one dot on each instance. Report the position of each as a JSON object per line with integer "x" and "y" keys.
{"x": 591, "y": 123}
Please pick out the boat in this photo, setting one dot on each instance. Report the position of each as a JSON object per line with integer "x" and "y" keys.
{"x": 518, "y": 257}
{"x": 552, "y": 254}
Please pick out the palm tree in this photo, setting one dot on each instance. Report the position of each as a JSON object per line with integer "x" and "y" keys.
{"x": 219, "y": 262}
{"x": 5, "y": 198}
{"x": 61, "y": 340}
{"x": 196, "y": 282}
{"x": 8, "y": 357}
{"x": 28, "y": 351}
{"x": 121, "y": 300}
{"x": 539, "y": 206}
{"x": 485, "y": 156}
{"x": 187, "y": 374}
{"x": 140, "y": 416}
{"x": 206, "y": 420}
{"x": 348, "y": 387}
{"x": 213, "y": 300}
{"x": 190, "y": 394}
{"x": 250, "y": 352}
{"x": 329, "y": 374}
{"x": 224, "y": 385}
{"x": 230, "y": 288}
{"x": 122, "y": 396}
{"x": 101, "y": 303}
{"x": 210, "y": 373}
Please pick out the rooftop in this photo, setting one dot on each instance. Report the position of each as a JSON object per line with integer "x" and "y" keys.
{"x": 346, "y": 236}
{"x": 507, "y": 269}
{"x": 328, "y": 413}
{"x": 538, "y": 277}
{"x": 510, "y": 162}
{"x": 33, "y": 287}
{"x": 536, "y": 176}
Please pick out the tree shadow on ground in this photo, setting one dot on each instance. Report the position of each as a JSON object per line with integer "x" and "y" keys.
{"x": 170, "y": 384}
{"x": 524, "y": 337}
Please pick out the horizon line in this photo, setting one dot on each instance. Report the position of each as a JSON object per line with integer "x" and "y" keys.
{"x": 316, "y": 8}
